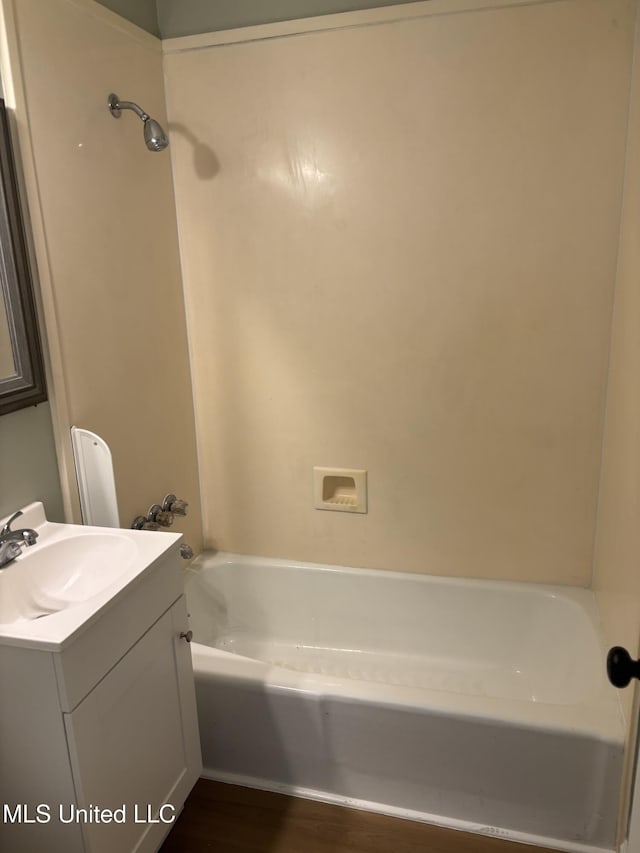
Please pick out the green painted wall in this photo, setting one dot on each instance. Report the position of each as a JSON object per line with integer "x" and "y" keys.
{"x": 186, "y": 17}
{"x": 140, "y": 12}
{"x": 28, "y": 467}
{"x": 170, "y": 18}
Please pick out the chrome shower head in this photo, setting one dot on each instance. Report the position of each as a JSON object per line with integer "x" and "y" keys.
{"x": 154, "y": 136}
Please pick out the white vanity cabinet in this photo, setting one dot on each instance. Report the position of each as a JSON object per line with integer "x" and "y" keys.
{"x": 99, "y": 743}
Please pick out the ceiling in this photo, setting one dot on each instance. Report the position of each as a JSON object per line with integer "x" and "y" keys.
{"x": 172, "y": 18}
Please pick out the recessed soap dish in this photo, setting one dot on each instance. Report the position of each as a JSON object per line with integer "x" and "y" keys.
{"x": 340, "y": 489}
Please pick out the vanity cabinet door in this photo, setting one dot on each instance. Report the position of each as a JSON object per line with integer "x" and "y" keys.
{"x": 134, "y": 742}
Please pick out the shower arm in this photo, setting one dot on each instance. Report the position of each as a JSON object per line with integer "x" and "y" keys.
{"x": 129, "y": 105}
{"x": 117, "y": 106}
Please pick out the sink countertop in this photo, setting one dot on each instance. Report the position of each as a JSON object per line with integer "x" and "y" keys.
{"x": 56, "y": 630}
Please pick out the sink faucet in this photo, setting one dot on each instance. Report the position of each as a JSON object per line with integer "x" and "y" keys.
{"x": 11, "y": 541}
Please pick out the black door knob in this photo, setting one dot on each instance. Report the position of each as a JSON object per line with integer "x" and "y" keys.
{"x": 621, "y": 667}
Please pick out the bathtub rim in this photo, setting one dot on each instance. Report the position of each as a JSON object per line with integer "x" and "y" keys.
{"x": 582, "y": 596}
{"x": 601, "y": 719}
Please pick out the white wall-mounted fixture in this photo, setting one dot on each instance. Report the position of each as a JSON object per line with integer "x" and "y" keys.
{"x": 340, "y": 489}
{"x": 96, "y": 480}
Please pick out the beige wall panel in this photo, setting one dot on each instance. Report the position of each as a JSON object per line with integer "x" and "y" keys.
{"x": 617, "y": 554}
{"x": 111, "y": 246}
{"x": 399, "y": 247}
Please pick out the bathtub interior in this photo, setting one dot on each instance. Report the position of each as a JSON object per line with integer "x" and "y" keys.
{"x": 477, "y": 705}
{"x": 505, "y": 640}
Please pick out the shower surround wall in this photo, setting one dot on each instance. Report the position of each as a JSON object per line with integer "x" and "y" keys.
{"x": 617, "y": 553}
{"x": 103, "y": 215}
{"x": 399, "y": 248}
{"x": 616, "y": 579}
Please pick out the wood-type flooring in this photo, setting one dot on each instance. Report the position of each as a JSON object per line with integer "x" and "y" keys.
{"x": 220, "y": 818}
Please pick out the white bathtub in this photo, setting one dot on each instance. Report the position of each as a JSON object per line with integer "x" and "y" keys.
{"x": 473, "y": 704}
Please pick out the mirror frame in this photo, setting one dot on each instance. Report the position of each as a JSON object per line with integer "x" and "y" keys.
{"x": 27, "y": 386}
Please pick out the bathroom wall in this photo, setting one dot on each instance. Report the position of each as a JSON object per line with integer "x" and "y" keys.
{"x": 399, "y": 246}
{"x": 28, "y": 469}
{"x": 184, "y": 17}
{"x": 617, "y": 552}
{"x": 143, "y": 13}
{"x": 170, "y": 18}
{"x": 103, "y": 217}
{"x": 616, "y": 579}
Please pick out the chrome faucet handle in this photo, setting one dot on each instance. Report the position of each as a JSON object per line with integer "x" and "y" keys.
{"x": 175, "y": 505}
{"x": 142, "y": 523}
{"x": 7, "y": 528}
{"x": 158, "y": 515}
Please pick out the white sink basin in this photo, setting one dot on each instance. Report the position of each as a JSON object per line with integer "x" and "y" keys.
{"x": 56, "y": 587}
{"x": 47, "y": 578}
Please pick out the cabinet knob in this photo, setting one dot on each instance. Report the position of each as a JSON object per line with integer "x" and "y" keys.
{"x": 186, "y": 635}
